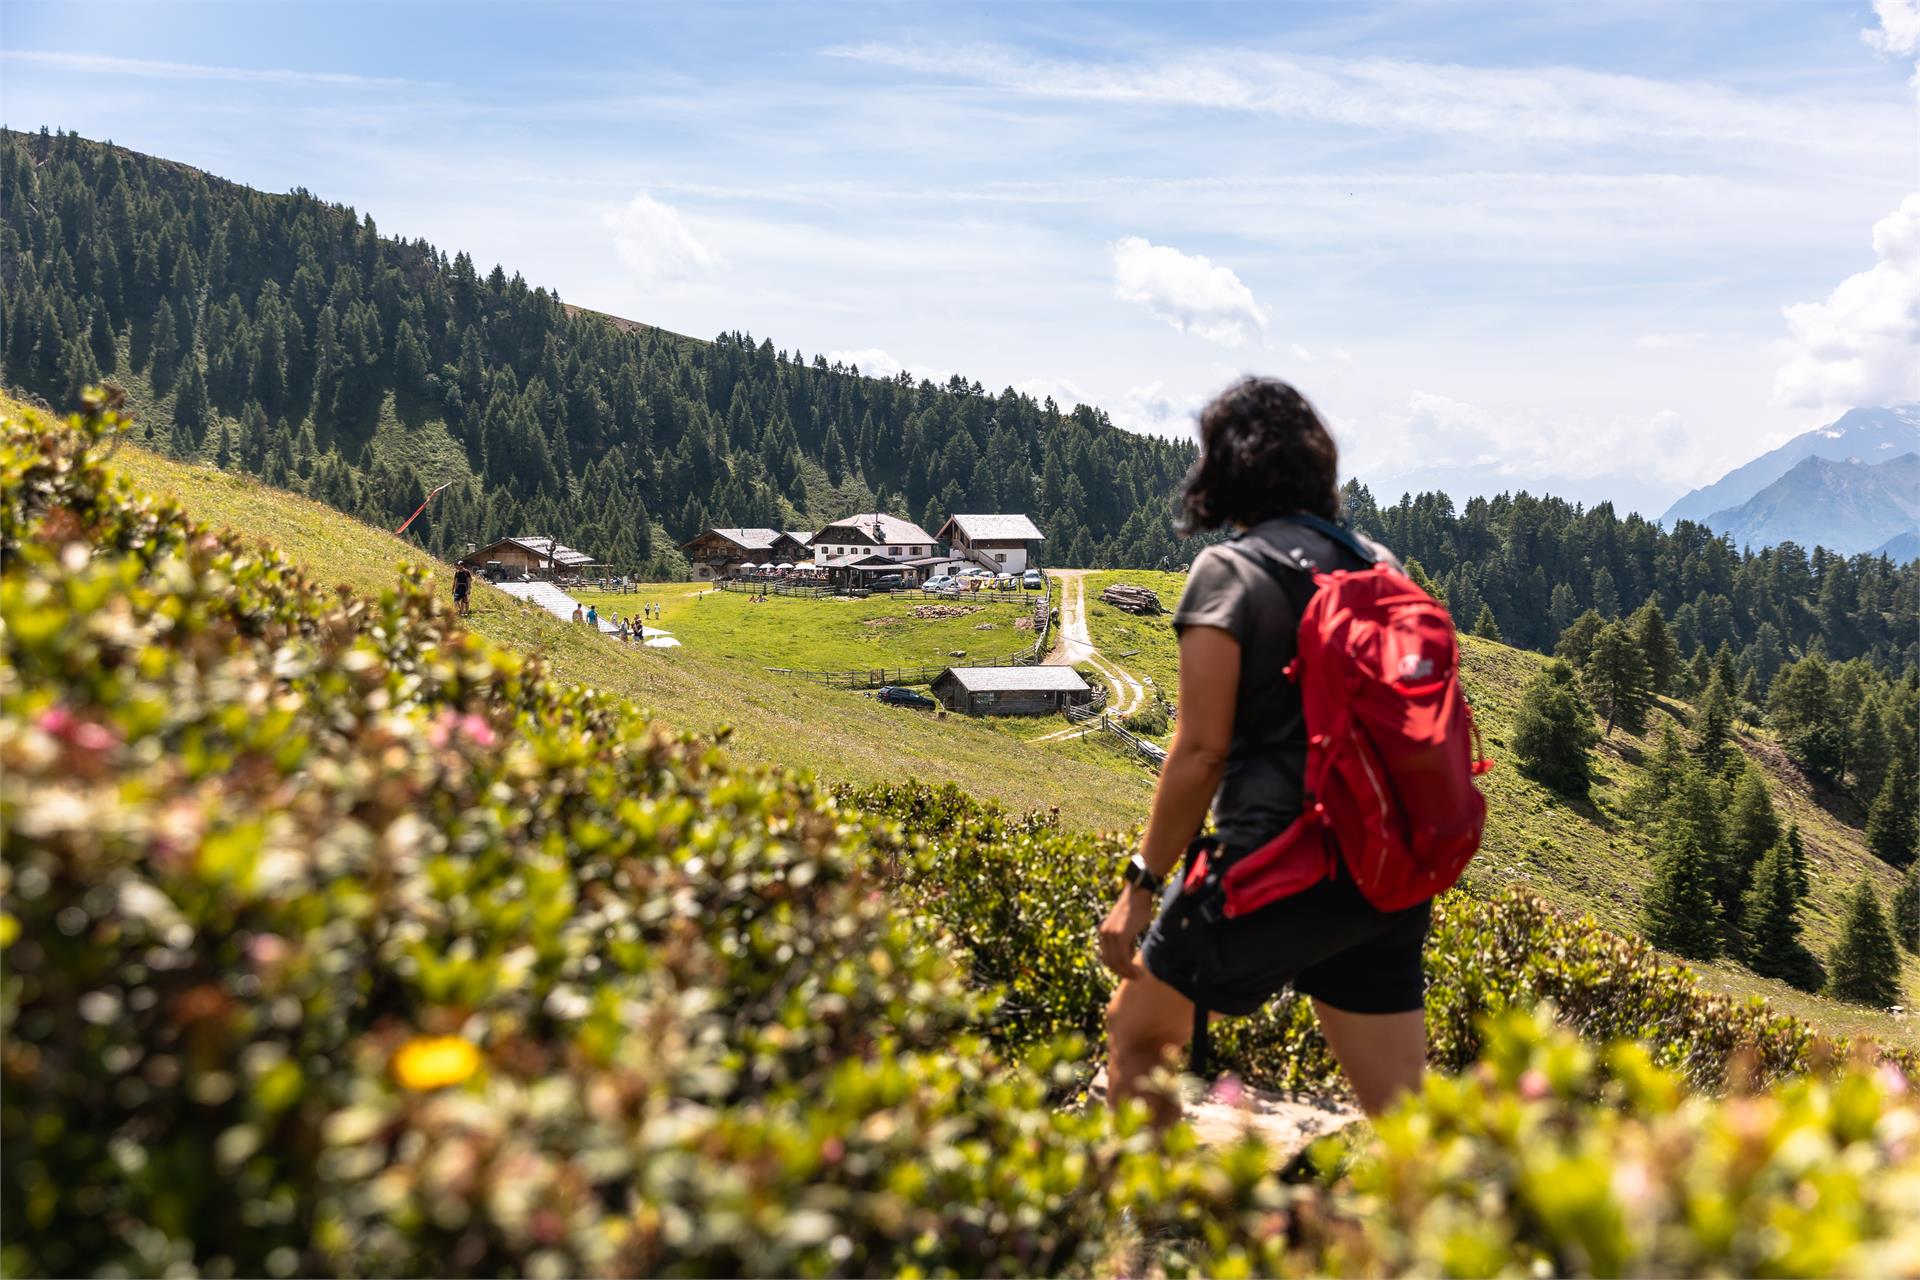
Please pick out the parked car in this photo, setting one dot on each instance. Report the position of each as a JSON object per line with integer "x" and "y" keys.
{"x": 941, "y": 582}
{"x": 896, "y": 696}
{"x": 886, "y": 582}
{"x": 1032, "y": 581}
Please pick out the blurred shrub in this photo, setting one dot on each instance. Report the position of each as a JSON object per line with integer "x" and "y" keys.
{"x": 336, "y": 941}
{"x": 1023, "y": 898}
{"x": 1552, "y": 1157}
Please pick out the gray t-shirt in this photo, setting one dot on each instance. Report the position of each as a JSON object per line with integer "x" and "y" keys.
{"x": 1260, "y": 791}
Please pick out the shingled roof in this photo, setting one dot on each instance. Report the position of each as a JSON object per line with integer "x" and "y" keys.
{"x": 995, "y": 527}
{"x": 878, "y": 526}
{"x": 1016, "y": 679}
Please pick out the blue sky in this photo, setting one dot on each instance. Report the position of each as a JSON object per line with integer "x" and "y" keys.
{"x": 1606, "y": 250}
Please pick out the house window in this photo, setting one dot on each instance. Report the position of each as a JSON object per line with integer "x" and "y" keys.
{"x": 1001, "y": 556}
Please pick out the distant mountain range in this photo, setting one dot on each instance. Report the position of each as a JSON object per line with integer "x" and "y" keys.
{"x": 1847, "y": 507}
{"x": 1870, "y": 435}
{"x": 1850, "y": 486}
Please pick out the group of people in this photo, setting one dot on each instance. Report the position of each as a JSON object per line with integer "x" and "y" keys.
{"x": 628, "y": 630}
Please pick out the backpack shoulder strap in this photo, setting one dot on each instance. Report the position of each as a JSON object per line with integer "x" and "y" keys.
{"x": 1292, "y": 570}
{"x": 1338, "y": 533}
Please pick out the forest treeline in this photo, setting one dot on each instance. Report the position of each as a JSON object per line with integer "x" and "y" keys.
{"x": 284, "y": 336}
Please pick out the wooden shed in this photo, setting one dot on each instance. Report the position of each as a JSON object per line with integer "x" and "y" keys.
{"x": 1010, "y": 691}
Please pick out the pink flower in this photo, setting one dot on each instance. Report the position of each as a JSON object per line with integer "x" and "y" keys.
{"x": 832, "y": 1150}
{"x": 1228, "y": 1091}
{"x": 477, "y": 728}
{"x": 1534, "y": 1084}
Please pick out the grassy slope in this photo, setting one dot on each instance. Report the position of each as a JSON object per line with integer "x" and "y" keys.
{"x": 1589, "y": 857}
{"x": 840, "y": 735}
{"x": 833, "y": 634}
{"x": 1584, "y": 858}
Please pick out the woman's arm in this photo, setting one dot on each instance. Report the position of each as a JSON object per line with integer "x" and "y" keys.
{"x": 1209, "y": 682}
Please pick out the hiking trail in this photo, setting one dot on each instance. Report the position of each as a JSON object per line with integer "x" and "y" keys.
{"x": 1076, "y": 647}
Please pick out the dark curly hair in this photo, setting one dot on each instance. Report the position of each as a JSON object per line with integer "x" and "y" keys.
{"x": 1263, "y": 452}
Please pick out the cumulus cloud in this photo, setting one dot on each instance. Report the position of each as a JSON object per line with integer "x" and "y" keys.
{"x": 1862, "y": 345}
{"x": 1301, "y": 354}
{"x": 1441, "y": 440}
{"x": 1065, "y": 391}
{"x": 657, "y": 244}
{"x": 1153, "y": 409}
{"x": 876, "y": 362}
{"x": 1187, "y": 291}
{"x": 1899, "y": 31}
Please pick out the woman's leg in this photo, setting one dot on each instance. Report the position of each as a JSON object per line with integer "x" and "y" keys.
{"x": 1147, "y": 1022}
{"x": 1383, "y": 1054}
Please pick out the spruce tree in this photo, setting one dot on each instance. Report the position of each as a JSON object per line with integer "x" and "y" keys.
{"x": 1680, "y": 913}
{"x": 1872, "y": 749}
{"x": 1576, "y": 642}
{"x": 1716, "y": 723}
{"x": 1553, "y": 731}
{"x": 1616, "y": 677}
{"x": 1656, "y": 644}
{"x": 1771, "y": 920}
{"x": 1865, "y": 966}
{"x": 1891, "y": 822}
{"x": 163, "y": 349}
{"x": 1906, "y": 910}
{"x": 1486, "y": 626}
{"x": 1752, "y": 826}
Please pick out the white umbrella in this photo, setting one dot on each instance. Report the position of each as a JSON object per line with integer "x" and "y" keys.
{"x": 784, "y": 564}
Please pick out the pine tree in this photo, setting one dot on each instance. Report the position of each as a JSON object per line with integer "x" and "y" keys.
{"x": 1891, "y": 822}
{"x": 163, "y": 349}
{"x": 1486, "y": 626}
{"x": 1906, "y": 910}
{"x": 1771, "y": 920}
{"x": 1606, "y": 596}
{"x": 1752, "y": 826}
{"x": 1576, "y": 642}
{"x": 1797, "y": 855}
{"x": 1716, "y": 723}
{"x": 1681, "y": 914}
{"x": 1872, "y": 748}
{"x": 1553, "y": 731}
{"x": 1656, "y": 645}
{"x": 1865, "y": 966}
{"x": 1664, "y": 769}
{"x": 1616, "y": 677}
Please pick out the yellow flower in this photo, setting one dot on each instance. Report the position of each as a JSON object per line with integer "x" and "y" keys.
{"x": 433, "y": 1062}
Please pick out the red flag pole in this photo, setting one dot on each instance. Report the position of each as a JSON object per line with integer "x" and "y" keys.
{"x": 417, "y": 510}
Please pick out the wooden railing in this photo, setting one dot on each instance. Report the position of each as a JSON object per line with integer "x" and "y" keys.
{"x": 1151, "y": 753}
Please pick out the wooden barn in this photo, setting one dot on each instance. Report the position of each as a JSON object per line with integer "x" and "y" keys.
{"x": 529, "y": 557}
{"x": 716, "y": 553}
{"x": 1010, "y": 691}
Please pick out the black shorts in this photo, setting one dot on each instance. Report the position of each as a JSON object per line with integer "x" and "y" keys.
{"x": 1327, "y": 942}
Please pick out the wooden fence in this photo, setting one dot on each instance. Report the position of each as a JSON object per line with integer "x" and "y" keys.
{"x": 878, "y": 677}
{"x": 1151, "y": 753}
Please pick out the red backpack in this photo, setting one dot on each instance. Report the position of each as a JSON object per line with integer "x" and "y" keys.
{"x": 1391, "y": 746}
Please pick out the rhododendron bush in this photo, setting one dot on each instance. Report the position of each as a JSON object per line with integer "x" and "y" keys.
{"x": 336, "y": 940}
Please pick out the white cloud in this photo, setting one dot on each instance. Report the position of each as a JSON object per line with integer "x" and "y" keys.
{"x": 1862, "y": 345}
{"x": 1152, "y": 409}
{"x": 1545, "y": 104}
{"x": 877, "y": 362}
{"x": 1437, "y": 435}
{"x": 1899, "y": 31}
{"x": 655, "y": 241}
{"x": 1343, "y": 355}
{"x": 1187, "y": 291}
{"x": 1065, "y": 391}
{"x": 107, "y": 65}
{"x": 1301, "y": 354}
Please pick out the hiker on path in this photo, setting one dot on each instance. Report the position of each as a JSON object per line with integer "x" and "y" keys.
{"x": 1240, "y": 749}
{"x": 579, "y": 615}
{"x": 593, "y": 617}
{"x": 462, "y": 590}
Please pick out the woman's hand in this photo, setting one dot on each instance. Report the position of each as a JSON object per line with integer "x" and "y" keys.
{"x": 1120, "y": 932}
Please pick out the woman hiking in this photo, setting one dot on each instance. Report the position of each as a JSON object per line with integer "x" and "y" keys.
{"x": 1268, "y": 472}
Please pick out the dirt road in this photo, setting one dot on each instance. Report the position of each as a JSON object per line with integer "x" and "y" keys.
{"x": 1076, "y": 647}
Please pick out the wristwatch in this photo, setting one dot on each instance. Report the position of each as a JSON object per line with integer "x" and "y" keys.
{"x": 1140, "y": 876}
